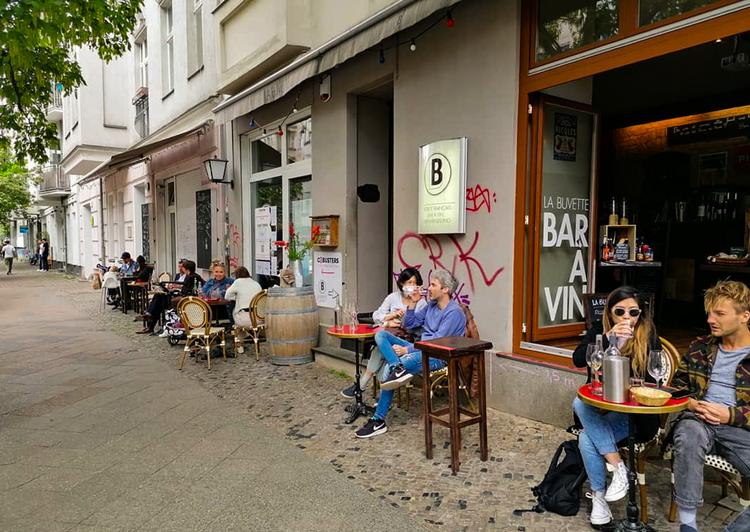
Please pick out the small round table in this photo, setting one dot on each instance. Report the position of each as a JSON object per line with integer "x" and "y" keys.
{"x": 633, "y": 409}
{"x": 360, "y": 333}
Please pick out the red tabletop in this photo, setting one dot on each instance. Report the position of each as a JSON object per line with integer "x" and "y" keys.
{"x": 630, "y": 407}
{"x": 346, "y": 331}
{"x": 215, "y": 300}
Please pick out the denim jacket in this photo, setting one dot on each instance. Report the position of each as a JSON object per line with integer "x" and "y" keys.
{"x": 694, "y": 372}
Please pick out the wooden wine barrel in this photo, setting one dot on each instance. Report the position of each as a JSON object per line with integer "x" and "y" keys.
{"x": 291, "y": 324}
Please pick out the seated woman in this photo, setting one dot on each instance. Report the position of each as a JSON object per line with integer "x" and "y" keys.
{"x": 143, "y": 271}
{"x": 190, "y": 285}
{"x": 389, "y": 315}
{"x": 243, "y": 290}
{"x": 113, "y": 294}
{"x": 626, "y": 320}
{"x": 216, "y": 287}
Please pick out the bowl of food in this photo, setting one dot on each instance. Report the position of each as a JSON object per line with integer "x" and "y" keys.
{"x": 650, "y": 396}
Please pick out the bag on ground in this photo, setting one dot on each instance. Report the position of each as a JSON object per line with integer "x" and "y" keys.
{"x": 560, "y": 490}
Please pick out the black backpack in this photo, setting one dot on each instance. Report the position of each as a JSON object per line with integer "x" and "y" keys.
{"x": 560, "y": 490}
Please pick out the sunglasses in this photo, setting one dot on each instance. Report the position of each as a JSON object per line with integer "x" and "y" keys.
{"x": 633, "y": 312}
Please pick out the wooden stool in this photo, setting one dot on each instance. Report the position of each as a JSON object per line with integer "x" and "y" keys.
{"x": 452, "y": 349}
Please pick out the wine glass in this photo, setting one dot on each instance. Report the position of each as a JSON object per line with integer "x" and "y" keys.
{"x": 657, "y": 365}
{"x": 597, "y": 357}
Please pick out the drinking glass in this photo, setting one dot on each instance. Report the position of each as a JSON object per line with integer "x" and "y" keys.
{"x": 597, "y": 356}
{"x": 657, "y": 365}
{"x": 352, "y": 315}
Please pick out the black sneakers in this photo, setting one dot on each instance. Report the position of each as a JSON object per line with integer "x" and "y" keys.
{"x": 373, "y": 427}
{"x": 398, "y": 377}
{"x": 348, "y": 392}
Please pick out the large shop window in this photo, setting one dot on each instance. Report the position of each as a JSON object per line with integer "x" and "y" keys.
{"x": 564, "y": 25}
{"x": 651, "y": 11}
{"x": 564, "y": 220}
{"x": 281, "y": 195}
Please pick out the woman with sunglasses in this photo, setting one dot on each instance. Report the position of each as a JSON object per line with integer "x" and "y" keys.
{"x": 626, "y": 319}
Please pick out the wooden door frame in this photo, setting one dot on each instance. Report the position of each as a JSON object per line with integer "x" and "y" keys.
{"x": 610, "y": 59}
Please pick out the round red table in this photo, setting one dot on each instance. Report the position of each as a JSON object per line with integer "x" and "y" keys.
{"x": 360, "y": 333}
{"x": 632, "y": 522}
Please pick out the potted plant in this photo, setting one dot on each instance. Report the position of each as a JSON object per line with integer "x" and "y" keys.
{"x": 296, "y": 251}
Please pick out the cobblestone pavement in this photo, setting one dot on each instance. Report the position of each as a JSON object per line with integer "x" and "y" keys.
{"x": 302, "y": 403}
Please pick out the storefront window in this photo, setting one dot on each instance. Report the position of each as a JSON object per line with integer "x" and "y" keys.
{"x": 266, "y": 153}
{"x": 268, "y": 213}
{"x": 650, "y": 11}
{"x": 565, "y": 215}
{"x": 564, "y": 25}
{"x": 299, "y": 141}
{"x": 300, "y": 210}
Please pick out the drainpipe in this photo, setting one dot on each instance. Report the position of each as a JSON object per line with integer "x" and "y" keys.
{"x": 65, "y": 234}
{"x": 101, "y": 220}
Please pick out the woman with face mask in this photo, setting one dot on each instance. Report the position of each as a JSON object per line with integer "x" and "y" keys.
{"x": 627, "y": 321}
{"x": 389, "y": 315}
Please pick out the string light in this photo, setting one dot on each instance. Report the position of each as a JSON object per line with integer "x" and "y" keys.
{"x": 450, "y": 22}
{"x": 280, "y": 132}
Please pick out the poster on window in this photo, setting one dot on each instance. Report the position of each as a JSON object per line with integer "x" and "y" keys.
{"x": 566, "y": 135}
{"x": 263, "y": 241}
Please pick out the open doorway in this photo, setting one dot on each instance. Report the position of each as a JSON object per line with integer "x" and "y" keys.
{"x": 669, "y": 186}
{"x": 374, "y": 193}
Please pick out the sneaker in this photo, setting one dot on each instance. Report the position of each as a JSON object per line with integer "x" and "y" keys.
{"x": 164, "y": 334}
{"x": 687, "y": 528}
{"x": 373, "y": 427}
{"x": 600, "y": 512}
{"x": 618, "y": 488}
{"x": 396, "y": 378}
{"x": 348, "y": 392}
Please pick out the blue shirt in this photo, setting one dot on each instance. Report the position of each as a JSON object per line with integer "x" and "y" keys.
{"x": 437, "y": 323}
{"x": 128, "y": 269}
{"x": 217, "y": 289}
{"x": 722, "y": 384}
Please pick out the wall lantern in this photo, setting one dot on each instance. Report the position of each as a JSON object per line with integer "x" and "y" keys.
{"x": 216, "y": 170}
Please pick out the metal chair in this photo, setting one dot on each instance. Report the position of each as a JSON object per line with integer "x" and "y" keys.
{"x": 195, "y": 315}
{"x": 257, "y": 328}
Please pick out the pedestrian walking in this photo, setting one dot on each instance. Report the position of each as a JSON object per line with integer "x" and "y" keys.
{"x": 9, "y": 253}
{"x": 44, "y": 255}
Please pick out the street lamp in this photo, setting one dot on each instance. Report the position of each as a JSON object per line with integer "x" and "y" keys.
{"x": 216, "y": 170}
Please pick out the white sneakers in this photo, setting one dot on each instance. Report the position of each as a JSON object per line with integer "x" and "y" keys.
{"x": 618, "y": 488}
{"x": 600, "y": 513}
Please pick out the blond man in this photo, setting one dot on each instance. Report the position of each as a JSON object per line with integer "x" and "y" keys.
{"x": 716, "y": 369}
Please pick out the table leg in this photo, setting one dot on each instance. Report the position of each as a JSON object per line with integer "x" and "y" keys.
{"x": 483, "y": 451}
{"x": 427, "y": 405}
{"x": 453, "y": 413}
{"x": 359, "y": 408}
{"x": 632, "y": 522}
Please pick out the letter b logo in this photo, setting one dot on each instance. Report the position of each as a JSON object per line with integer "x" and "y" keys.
{"x": 437, "y": 174}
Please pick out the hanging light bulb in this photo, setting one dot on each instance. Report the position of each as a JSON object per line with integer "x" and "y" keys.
{"x": 264, "y": 131}
{"x": 280, "y": 132}
{"x": 449, "y": 20}
{"x": 413, "y": 46}
{"x": 253, "y": 123}
{"x": 381, "y": 56}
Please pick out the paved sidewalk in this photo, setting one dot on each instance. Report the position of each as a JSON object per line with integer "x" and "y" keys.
{"x": 97, "y": 434}
{"x": 102, "y": 432}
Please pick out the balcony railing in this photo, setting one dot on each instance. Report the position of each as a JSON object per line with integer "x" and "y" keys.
{"x": 55, "y": 109}
{"x": 53, "y": 180}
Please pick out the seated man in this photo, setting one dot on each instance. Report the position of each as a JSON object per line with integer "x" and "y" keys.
{"x": 129, "y": 266}
{"x": 160, "y": 302}
{"x": 717, "y": 371}
{"x": 442, "y": 316}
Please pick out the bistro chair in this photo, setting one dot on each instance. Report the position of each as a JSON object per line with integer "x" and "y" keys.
{"x": 195, "y": 315}
{"x": 109, "y": 283}
{"x": 257, "y": 310}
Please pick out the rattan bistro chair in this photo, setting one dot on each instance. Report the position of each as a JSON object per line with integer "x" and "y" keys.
{"x": 257, "y": 328}
{"x": 195, "y": 315}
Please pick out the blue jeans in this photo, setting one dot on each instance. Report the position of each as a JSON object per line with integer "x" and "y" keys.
{"x": 412, "y": 361}
{"x": 601, "y": 432}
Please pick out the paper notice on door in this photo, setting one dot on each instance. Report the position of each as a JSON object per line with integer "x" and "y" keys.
{"x": 263, "y": 267}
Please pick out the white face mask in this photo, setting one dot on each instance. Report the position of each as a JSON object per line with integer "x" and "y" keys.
{"x": 408, "y": 289}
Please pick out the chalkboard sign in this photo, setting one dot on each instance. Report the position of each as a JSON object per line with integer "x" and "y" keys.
{"x": 622, "y": 252}
{"x": 145, "y": 232}
{"x": 203, "y": 228}
{"x": 593, "y": 308}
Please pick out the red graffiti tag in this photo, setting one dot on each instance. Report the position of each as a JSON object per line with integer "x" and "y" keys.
{"x": 478, "y": 198}
{"x": 439, "y": 260}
